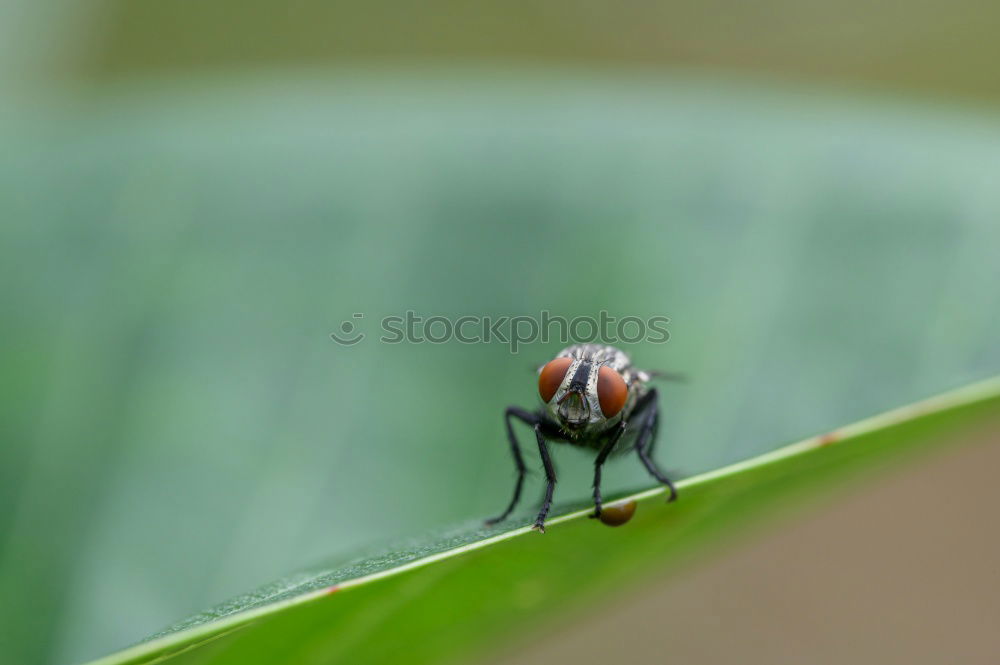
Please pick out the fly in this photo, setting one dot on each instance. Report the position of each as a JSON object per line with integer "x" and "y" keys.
{"x": 591, "y": 395}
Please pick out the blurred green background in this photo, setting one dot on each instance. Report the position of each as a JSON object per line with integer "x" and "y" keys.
{"x": 194, "y": 195}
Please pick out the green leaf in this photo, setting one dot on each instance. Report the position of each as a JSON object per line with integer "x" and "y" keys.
{"x": 433, "y": 601}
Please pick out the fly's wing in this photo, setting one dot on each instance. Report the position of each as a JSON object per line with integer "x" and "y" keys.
{"x": 676, "y": 377}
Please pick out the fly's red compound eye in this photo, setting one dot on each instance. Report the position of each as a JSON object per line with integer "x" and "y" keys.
{"x": 552, "y": 377}
{"x": 611, "y": 391}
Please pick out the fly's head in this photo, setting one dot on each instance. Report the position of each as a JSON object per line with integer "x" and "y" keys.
{"x": 582, "y": 394}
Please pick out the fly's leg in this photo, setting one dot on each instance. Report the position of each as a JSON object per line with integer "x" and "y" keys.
{"x": 515, "y": 450}
{"x": 646, "y": 439}
{"x": 599, "y": 462}
{"x": 550, "y": 479}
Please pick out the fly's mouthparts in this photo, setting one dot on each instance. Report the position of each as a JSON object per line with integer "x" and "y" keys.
{"x": 574, "y": 409}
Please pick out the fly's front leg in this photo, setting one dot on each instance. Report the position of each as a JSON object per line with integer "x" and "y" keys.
{"x": 599, "y": 462}
{"x": 645, "y": 440}
{"x": 515, "y": 450}
{"x": 550, "y": 479}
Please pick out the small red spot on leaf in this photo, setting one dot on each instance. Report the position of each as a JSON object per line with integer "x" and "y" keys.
{"x": 332, "y": 589}
{"x": 828, "y": 438}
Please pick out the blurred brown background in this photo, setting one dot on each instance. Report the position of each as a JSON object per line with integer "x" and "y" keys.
{"x": 935, "y": 48}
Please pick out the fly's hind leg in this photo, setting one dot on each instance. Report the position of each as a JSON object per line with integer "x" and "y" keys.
{"x": 647, "y": 438}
